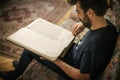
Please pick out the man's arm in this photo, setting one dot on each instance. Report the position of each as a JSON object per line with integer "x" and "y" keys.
{"x": 71, "y": 71}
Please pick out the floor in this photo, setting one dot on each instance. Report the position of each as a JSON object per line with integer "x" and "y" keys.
{"x": 5, "y": 64}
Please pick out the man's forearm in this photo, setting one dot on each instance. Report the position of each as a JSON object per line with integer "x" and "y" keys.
{"x": 71, "y": 71}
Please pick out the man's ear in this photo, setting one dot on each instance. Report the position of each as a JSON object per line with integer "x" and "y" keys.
{"x": 90, "y": 12}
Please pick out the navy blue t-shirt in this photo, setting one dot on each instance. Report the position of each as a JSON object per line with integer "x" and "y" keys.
{"x": 93, "y": 54}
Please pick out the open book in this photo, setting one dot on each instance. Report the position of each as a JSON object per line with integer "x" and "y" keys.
{"x": 43, "y": 38}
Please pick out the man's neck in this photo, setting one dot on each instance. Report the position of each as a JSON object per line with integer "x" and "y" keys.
{"x": 98, "y": 23}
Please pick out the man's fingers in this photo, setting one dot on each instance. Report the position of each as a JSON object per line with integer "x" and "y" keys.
{"x": 43, "y": 58}
{"x": 77, "y": 29}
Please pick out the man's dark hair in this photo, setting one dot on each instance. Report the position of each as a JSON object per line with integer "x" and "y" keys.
{"x": 99, "y": 6}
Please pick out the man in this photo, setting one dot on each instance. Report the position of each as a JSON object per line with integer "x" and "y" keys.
{"x": 85, "y": 60}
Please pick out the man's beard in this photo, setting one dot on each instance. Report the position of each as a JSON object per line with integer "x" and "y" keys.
{"x": 86, "y": 21}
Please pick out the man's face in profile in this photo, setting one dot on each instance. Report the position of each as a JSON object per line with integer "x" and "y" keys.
{"x": 86, "y": 21}
{"x": 83, "y": 17}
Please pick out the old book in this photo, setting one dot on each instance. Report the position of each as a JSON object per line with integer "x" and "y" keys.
{"x": 43, "y": 38}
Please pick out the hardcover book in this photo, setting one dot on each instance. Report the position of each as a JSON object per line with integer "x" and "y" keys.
{"x": 43, "y": 38}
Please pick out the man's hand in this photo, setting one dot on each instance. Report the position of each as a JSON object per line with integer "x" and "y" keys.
{"x": 77, "y": 28}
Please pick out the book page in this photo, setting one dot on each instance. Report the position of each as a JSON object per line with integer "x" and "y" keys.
{"x": 51, "y": 31}
{"x": 37, "y": 43}
{"x": 43, "y": 38}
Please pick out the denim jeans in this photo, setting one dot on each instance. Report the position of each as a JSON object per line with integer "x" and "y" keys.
{"x": 28, "y": 56}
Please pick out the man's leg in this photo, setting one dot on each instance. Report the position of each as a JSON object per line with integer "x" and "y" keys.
{"x": 27, "y": 57}
{"x": 24, "y": 61}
